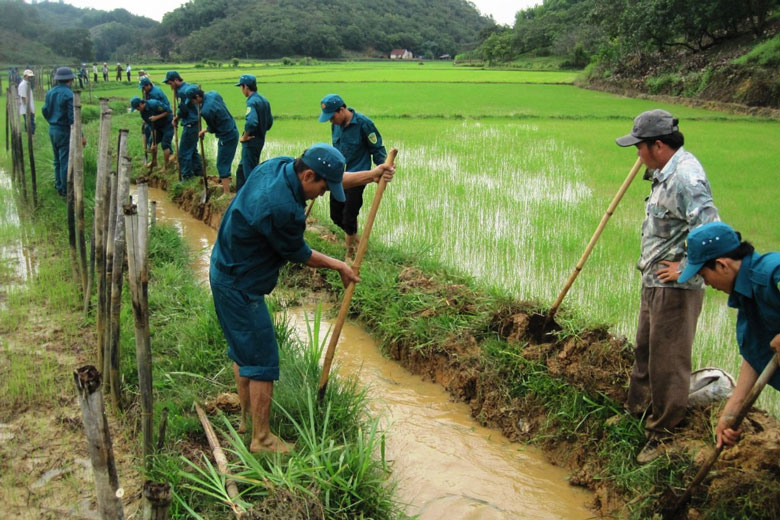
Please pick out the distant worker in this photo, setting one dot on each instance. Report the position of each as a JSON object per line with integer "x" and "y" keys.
{"x": 58, "y": 111}
{"x": 752, "y": 281}
{"x": 187, "y": 117}
{"x": 220, "y": 123}
{"x": 128, "y": 69}
{"x": 158, "y": 119}
{"x": 118, "y": 71}
{"x": 356, "y": 137}
{"x": 26, "y": 97}
{"x": 94, "y": 73}
{"x": 680, "y": 200}
{"x": 105, "y": 71}
{"x": 260, "y": 232}
{"x": 151, "y": 91}
{"x": 258, "y": 121}
{"x": 83, "y": 78}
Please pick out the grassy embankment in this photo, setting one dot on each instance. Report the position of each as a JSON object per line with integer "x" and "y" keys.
{"x": 511, "y": 171}
{"x": 337, "y": 468}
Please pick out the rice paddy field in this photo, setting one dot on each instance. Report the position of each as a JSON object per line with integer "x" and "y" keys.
{"x": 504, "y": 175}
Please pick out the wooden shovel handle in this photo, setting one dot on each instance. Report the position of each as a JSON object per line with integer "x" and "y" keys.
{"x": 342, "y": 316}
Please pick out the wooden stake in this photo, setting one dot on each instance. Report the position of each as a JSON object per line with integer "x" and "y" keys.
{"x": 334, "y": 337}
{"x": 70, "y": 203}
{"x": 138, "y": 280}
{"x": 31, "y": 153}
{"x": 158, "y": 500}
{"x": 103, "y": 166}
{"x": 117, "y": 269}
{"x": 78, "y": 191}
{"x": 101, "y": 453}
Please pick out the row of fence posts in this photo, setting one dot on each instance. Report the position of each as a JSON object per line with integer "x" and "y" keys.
{"x": 120, "y": 230}
{"x": 14, "y": 142}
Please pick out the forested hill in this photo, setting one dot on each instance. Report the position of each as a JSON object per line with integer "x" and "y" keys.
{"x": 323, "y": 28}
{"x": 50, "y": 32}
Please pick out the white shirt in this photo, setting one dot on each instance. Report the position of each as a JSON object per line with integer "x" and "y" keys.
{"x": 25, "y": 92}
{"x": 128, "y": 69}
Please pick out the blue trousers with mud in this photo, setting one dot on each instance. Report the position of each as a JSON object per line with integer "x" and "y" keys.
{"x": 60, "y": 145}
{"x": 250, "y": 158}
{"x": 189, "y": 159}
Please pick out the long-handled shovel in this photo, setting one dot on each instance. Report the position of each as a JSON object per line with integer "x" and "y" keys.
{"x": 334, "y": 337}
{"x": 175, "y": 155}
{"x": 747, "y": 404}
{"x": 308, "y": 209}
{"x": 204, "y": 197}
{"x": 548, "y": 322}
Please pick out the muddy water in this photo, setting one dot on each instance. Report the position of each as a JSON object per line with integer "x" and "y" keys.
{"x": 13, "y": 252}
{"x": 446, "y": 465}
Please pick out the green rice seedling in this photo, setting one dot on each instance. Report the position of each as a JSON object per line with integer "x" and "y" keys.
{"x": 29, "y": 379}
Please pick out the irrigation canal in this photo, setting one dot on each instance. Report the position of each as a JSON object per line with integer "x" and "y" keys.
{"x": 446, "y": 465}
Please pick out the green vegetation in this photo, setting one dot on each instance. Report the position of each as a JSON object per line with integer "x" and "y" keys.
{"x": 337, "y": 468}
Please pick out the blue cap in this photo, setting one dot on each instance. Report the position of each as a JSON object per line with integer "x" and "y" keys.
{"x": 63, "y": 74}
{"x": 712, "y": 240}
{"x": 330, "y": 104}
{"x": 135, "y": 102}
{"x": 248, "y": 80}
{"x": 171, "y": 75}
{"x": 145, "y": 80}
{"x": 191, "y": 91}
{"x": 329, "y": 164}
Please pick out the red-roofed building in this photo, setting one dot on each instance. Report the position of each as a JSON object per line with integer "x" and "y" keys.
{"x": 401, "y": 54}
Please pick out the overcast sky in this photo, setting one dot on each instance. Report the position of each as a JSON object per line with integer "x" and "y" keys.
{"x": 503, "y": 11}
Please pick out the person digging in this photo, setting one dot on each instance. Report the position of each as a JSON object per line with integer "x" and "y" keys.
{"x": 261, "y": 231}
{"x": 752, "y": 281}
{"x": 158, "y": 119}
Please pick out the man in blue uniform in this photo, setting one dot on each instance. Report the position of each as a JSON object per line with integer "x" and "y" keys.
{"x": 58, "y": 111}
{"x": 752, "y": 281}
{"x": 258, "y": 121}
{"x": 157, "y": 118}
{"x": 260, "y": 232}
{"x": 355, "y": 136}
{"x": 190, "y": 164}
{"x": 151, "y": 91}
{"x": 220, "y": 123}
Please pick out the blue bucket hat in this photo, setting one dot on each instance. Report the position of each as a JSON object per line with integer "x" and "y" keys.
{"x": 330, "y": 104}
{"x": 712, "y": 240}
{"x": 135, "y": 102}
{"x": 171, "y": 75}
{"x": 248, "y": 80}
{"x": 63, "y": 74}
{"x": 145, "y": 80}
{"x": 329, "y": 164}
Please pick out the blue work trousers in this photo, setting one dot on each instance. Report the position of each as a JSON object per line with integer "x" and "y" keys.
{"x": 60, "y": 145}
{"x": 189, "y": 159}
{"x": 226, "y": 152}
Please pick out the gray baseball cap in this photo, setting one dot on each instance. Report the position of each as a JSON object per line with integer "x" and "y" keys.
{"x": 653, "y": 123}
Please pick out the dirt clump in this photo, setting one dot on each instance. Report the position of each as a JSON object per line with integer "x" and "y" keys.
{"x": 227, "y": 402}
{"x": 284, "y": 505}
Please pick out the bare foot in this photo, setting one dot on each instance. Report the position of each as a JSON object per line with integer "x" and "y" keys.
{"x": 242, "y": 425}
{"x": 269, "y": 443}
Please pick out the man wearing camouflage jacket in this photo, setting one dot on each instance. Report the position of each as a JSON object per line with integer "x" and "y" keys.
{"x": 680, "y": 200}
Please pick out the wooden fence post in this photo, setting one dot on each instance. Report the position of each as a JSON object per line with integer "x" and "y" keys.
{"x": 76, "y": 191}
{"x": 28, "y": 120}
{"x": 117, "y": 269}
{"x": 101, "y": 453}
{"x": 101, "y": 184}
{"x": 158, "y": 500}
{"x": 135, "y": 233}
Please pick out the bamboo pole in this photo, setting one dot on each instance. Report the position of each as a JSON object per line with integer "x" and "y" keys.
{"x": 103, "y": 166}
{"x": 101, "y": 453}
{"x": 7, "y": 119}
{"x": 157, "y": 500}
{"x": 610, "y": 210}
{"x": 219, "y": 458}
{"x": 138, "y": 281}
{"x": 122, "y": 193}
{"x": 76, "y": 190}
{"x": 16, "y": 141}
{"x": 30, "y": 150}
{"x": 70, "y": 204}
{"x": 350, "y": 289}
